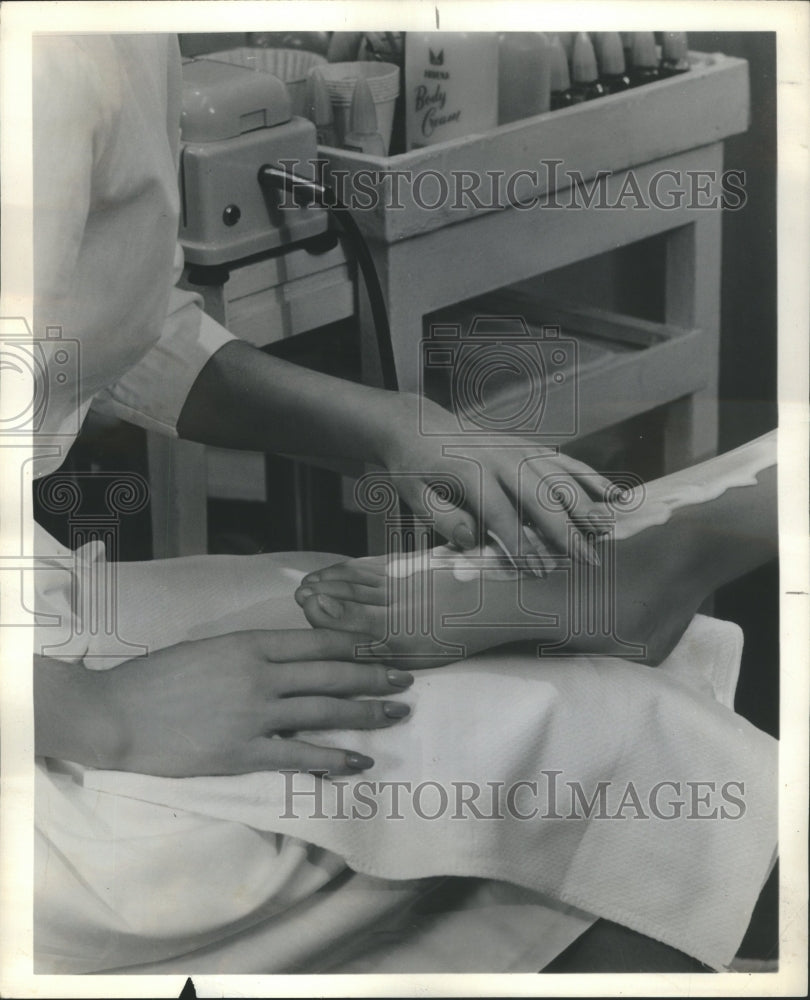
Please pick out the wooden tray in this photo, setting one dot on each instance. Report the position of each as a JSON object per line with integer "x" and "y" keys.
{"x": 641, "y": 125}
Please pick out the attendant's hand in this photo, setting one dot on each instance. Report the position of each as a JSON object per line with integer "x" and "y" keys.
{"x": 498, "y": 479}
{"x": 212, "y": 706}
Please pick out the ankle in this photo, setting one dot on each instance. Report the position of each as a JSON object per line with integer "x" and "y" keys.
{"x": 659, "y": 588}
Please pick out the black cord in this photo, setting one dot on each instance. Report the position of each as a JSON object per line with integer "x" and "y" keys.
{"x": 308, "y": 192}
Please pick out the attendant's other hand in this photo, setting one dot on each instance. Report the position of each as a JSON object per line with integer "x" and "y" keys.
{"x": 227, "y": 705}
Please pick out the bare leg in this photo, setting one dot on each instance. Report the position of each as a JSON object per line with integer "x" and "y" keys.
{"x": 659, "y": 577}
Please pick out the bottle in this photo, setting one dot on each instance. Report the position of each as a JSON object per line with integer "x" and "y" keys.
{"x": 645, "y": 59}
{"x": 674, "y": 59}
{"x": 524, "y": 75}
{"x": 611, "y": 63}
{"x": 451, "y": 85}
{"x": 319, "y": 109}
{"x": 381, "y": 46}
{"x": 362, "y": 136}
{"x": 561, "y": 96}
{"x": 343, "y": 46}
{"x": 567, "y": 41}
{"x": 627, "y": 48}
{"x": 586, "y": 85}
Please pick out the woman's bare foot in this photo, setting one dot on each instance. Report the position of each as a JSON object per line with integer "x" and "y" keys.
{"x": 431, "y": 608}
{"x": 637, "y": 604}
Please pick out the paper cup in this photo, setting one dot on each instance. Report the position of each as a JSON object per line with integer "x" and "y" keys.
{"x": 290, "y": 65}
{"x": 383, "y": 82}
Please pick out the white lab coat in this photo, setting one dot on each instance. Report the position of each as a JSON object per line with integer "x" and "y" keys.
{"x": 106, "y": 138}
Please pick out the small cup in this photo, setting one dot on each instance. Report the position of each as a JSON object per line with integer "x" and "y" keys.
{"x": 383, "y": 82}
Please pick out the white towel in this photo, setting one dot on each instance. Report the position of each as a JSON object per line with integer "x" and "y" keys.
{"x": 689, "y": 881}
{"x": 132, "y": 885}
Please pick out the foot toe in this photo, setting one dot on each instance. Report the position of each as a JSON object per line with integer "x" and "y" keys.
{"x": 345, "y": 590}
{"x": 324, "y": 611}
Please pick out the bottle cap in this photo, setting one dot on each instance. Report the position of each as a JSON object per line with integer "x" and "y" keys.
{"x": 362, "y": 114}
{"x": 583, "y": 61}
{"x": 674, "y": 47}
{"x": 644, "y": 52}
{"x": 611, "y": 54}
{"x": 318, "y": 103}
{"x": 560, "y": 79}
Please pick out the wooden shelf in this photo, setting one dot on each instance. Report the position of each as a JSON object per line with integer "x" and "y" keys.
{"x": 620, "y": 366}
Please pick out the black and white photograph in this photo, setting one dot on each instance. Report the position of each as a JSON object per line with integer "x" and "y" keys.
{"x": 404, "y": 477}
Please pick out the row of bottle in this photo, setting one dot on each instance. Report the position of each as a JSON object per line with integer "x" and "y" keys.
{"x": 583, "y": 67}
{"x": 458, "y": 83}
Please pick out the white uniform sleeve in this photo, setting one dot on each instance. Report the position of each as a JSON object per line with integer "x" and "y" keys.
{"x": 152, "y": 393}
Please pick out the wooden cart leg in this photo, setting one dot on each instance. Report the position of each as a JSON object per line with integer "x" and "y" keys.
{"x": 693, "y": 300}
{"x": 179, "y": 497}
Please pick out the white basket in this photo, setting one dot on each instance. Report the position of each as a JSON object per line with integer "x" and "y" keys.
{"x": 290, "y": 65}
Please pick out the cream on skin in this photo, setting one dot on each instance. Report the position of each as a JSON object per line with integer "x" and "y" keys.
{"x": 701, "y": 528}
{"x": 661, "y": 498}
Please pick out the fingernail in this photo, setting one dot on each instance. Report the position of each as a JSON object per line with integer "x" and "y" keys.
{"x": 358, "y": 761}
{"x": 305, "y": 592}
{"x": 463, "y": 536}
{"x": 332, "y": 607}
{"x": 311, "y": 578}
{"x": 399, "y": 678}
{"x": 396, "y": 709}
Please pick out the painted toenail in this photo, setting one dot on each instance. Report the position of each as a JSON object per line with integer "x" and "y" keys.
{"x": 332, "y": 607}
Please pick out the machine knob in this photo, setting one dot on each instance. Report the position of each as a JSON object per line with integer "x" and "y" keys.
{"x": 231, "y": 215}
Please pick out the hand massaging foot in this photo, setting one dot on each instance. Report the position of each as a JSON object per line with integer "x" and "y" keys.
{"x": 686, "y": 535}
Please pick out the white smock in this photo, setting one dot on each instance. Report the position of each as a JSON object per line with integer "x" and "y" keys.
{"x": 135, "y": 873}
